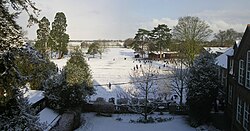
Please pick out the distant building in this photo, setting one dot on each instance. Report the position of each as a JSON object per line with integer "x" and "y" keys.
{"x": 165, "y": 55}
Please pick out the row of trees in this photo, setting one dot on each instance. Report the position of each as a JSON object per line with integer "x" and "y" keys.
{"x": 157, "y": 39}
{"x": 199, "y": 77}
{"x": 54, "y": 40}
{"x": 187, "y": 37}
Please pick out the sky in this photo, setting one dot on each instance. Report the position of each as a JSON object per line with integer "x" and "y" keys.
{"x": 120, "y": 19}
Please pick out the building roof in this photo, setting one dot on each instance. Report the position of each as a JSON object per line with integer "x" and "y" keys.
{"x": 49, "y": 117}
{"x": 215, "y": 50}
{"x": 34, "y": 96}
{"x": 221, "y": 60}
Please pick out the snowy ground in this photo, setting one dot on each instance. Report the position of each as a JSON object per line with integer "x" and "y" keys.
{"x": 94, "y": 123}
{"x": 113, "y": 68}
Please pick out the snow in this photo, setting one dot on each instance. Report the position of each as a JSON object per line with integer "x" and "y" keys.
{"x": 34, "y": 96}
{"x": 49, "y": 117}
{"x": 94, "y": 123}
{"x": 112, "y": 67}
{"x": 221, "y": 60}
{"x": 215, "y": 50}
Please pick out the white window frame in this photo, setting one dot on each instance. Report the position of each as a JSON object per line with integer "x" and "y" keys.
{"x": 246, "y": 116}
{"x": 230, "y": 93}
{"x": 239, "y": 112}
{"x": 241, "y": 72}
{"x": 231, "y": 66}
{"x": 247, "y": 82}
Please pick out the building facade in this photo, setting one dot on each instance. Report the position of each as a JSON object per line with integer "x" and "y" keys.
{"x": 238, "y": 84}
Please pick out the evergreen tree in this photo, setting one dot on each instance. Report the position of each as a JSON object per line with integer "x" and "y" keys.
{"x": 69, "y": 89}
{"x": 15, "y": 113}
{"x": 161, "y": 37}
{"x": 94, "y": 48}
{"x": 42, "y": 35}
{"x": 36, "y": 70}
{"x": 59, "y": 39}
{"x": 202, "y": 88}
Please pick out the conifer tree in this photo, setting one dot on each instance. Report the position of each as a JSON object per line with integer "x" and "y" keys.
{"x": 42, "y": 35}
{"x": 202, "y": 88}
{"x": 59, "y": 39}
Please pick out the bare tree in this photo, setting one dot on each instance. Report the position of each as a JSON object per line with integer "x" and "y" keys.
{"x": 191, "y": 31}
{"x": 145, "y": 80}
{"x": 178, "y": 85}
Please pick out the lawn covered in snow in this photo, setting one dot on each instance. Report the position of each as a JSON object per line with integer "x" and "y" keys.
{"x": 99, "y": 123}
{"x": 115, "y": 66}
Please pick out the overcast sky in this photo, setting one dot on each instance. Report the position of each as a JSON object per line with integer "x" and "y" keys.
{"x": 120, "y": 19}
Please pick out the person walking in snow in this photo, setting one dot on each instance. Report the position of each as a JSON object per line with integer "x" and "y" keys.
{"x": 109, "y": 85}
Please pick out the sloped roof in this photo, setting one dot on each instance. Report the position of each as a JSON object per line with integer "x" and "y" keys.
{"x": 34, "y": 96}
{"x": 221, "y": 60}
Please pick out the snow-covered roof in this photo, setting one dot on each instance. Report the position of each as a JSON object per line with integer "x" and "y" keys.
{"x": 165, "y": 52}
{"x": 49, "y": 117}
{"x": 215, "y": 50}
{"x": 74, "y": 43}
{"x": 34, "y": 96}
{"x": 221, "y": 60}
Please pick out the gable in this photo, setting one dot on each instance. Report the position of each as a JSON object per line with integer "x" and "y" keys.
{"x": 244, "y": 45}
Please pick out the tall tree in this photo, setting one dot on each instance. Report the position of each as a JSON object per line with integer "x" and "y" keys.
{"x": 141, "y": 39}
{"x": 42, "y": 35}
{"x": 161, "y": 37}
{"x": 202, "y": 88}
{"x": 15, "y": 113}
{"x": 191, "y": 31}
{"x": 59, "y": 39}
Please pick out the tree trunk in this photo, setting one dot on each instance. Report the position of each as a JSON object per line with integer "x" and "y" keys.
{"x": 146, "y": 104}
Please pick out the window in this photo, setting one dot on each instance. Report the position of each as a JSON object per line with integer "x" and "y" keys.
{"x": 241, "y": 70}
{"x": 231, "y": 66}
{"x": 246, "y": 116}
{"x": 230, "y": 94}
{"x": 224, "y": 78}
{"x": 248, "y": 70}
{"x": 239, "y": 110}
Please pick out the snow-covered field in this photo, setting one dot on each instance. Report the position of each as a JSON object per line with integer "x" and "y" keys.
{"x": 94, "y": 123}
{"x": 115, "y": 67}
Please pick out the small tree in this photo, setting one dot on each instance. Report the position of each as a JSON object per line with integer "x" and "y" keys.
{"x": 94, "y": 48}
{"x": 178, "y": 80}
{"x": 202, "y": 87}
{"x": 145, "y": 80}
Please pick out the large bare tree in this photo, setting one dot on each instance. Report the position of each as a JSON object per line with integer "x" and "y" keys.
{"x": 191, "y": 31}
